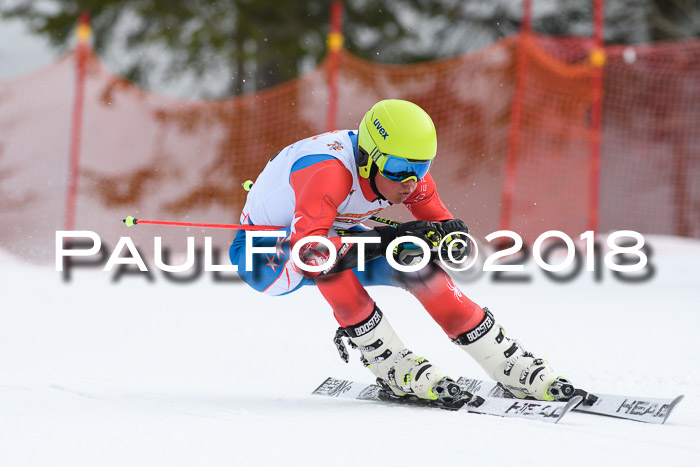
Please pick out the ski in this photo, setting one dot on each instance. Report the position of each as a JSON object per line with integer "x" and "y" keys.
{"x": 550, "y": 412}
{"x": 642, "y": 409}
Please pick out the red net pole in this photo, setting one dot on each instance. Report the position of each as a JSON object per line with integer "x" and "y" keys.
{"x": 516, "y": 109}
{"x": 597, "y": 58}
{"x": 81, "y": 53}
{"x": 335, "y": 44}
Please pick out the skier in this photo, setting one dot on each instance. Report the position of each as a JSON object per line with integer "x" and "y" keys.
{"x": 331, "y": 183}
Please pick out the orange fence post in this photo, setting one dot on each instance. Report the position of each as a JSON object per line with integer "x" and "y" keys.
{"x": 515, "y": 113}
{"x": 81, "y": 53}
{"x": 335, "y": 44}
{"x": 597, "y": 59}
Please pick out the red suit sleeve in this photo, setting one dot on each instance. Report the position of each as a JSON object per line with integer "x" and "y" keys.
{"x": 319, "y": 189}
{"x": 425, "y": 204}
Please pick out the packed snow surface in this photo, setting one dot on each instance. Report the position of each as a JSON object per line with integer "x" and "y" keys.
{"x": 138, "y": 373}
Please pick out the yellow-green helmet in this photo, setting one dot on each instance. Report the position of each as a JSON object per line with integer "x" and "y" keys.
{"x": 396, "y": 128}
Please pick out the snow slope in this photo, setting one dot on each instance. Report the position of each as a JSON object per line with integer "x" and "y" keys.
{"x": 161, "y": 374}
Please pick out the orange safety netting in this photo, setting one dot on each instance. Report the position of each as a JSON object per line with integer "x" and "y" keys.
{"x": 160, "y": 158}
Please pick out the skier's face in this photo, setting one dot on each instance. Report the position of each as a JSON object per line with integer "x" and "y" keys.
{"x": 396, "y": 192}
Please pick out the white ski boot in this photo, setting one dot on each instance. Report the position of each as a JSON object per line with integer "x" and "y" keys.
{"x": 507, "y": 362}
{"x": 392, "y": 363}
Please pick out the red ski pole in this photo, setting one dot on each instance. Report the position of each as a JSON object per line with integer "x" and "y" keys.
{"x": 131, "y": 221}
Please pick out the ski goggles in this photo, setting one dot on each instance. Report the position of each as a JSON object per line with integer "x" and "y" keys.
{"x": 398, "y": 169}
